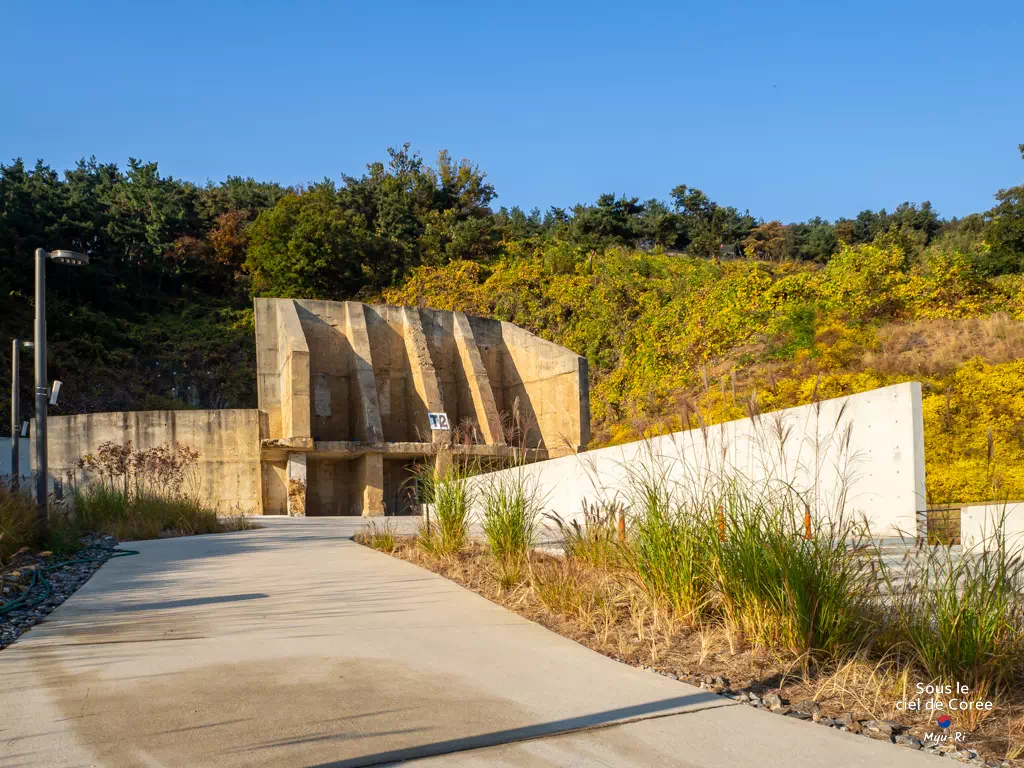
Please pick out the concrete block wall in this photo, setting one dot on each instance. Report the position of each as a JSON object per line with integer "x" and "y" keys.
{"x": 227, "y": 440}
{"x": 863, "y": 454}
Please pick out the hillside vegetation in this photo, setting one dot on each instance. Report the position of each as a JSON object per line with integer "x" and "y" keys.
{"x": 675, "y": 340}
{"x": 688, "y": 310}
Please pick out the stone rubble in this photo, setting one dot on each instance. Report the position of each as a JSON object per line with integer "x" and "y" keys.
{"x": 63, "y": 583}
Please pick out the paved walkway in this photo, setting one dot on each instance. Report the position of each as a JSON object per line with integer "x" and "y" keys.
{"x": 294, "y": 646}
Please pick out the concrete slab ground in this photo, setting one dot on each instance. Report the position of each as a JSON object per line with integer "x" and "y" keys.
{"x": 294, "y": 646}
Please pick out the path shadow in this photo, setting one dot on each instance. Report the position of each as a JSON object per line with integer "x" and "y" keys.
{"x": 621, "y": 716}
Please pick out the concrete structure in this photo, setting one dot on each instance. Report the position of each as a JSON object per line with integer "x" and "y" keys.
{"x": 984, "y": 525}
{"x": 346, "y": 389}
{"x": 24, "y": 456}
{"x": 294, "y": 646}
{"x": 344, "y": 392}
{"x": 863, "y": 454}
{"x": 227, "y": 440}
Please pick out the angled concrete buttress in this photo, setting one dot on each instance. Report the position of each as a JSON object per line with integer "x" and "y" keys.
{"x": 345, "y": 392}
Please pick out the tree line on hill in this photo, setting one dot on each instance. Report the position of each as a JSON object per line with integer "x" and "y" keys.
{"x": 153, "y": 238}
{"x": 161, "y": 317}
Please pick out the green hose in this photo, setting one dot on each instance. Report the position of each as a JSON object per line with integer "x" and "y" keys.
{"x": 39, "y": 575}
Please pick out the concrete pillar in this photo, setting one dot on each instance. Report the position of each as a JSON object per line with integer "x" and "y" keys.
{"x": 443, "y": 462}
{"x": 486, "y": 411}
{"x": 424, "y": 377}
{"x": 368, "y": 490}
{"x": 366, "y": 423}
{"x": 297, "y": 484}
{"x": 293, "y": 366}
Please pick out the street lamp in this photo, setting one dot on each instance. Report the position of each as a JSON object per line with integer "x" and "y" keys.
{"x": 70, "y": 258}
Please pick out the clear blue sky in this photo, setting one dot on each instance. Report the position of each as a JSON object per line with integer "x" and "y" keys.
{"x": 790, "y": 109}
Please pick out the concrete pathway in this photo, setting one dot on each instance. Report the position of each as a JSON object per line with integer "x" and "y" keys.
{"x": 294, "y": 646}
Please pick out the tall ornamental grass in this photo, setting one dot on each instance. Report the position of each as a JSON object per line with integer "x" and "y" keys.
{"x": 449, "y": 494}
{"x": 511, "y": 506}
{"x": 17, "y": 520}
{"x": 785, "y": 583}
{"x": 669, "y": 545}
{"x": 148, "y": 515}
{"x": 597, "y": 542}
{"x": 135, "y": 494}
{"x": 962, "y": 614}
{"x": 511, "y": 509}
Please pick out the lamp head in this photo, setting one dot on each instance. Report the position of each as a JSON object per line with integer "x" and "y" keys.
{"x": 70, "y": 258}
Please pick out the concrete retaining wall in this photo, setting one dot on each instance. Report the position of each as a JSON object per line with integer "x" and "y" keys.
{"x": 979, "y": 523}
{"x": 863, "y": 453}
{"x": 228, "y": 442}
{"x": 24, "y": 457}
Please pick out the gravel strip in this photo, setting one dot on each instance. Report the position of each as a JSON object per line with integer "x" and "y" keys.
{"x": 63, "y": 583}
{"x": 882, "y": 730}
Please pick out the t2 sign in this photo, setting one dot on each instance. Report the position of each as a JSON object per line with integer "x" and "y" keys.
{"x": 439, "y": 421}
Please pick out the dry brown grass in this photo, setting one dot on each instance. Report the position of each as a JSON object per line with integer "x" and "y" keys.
{"x": 1015, "y": 738}
{"x": 605, "y": 611}
{"x": 938, "y": 347}
{"x": 864, "y": 686}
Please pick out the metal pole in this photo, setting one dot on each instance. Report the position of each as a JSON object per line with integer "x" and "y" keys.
{"x": 15, "y": 416}
{"x": 40, "y": 353}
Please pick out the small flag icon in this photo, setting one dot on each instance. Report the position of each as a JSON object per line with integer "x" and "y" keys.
{"x": 945, "y": 721}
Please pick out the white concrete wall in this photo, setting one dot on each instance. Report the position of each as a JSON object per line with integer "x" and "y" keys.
{"x": 24, "y": 458}
{"x": 980, "y": 523}
{"x": 863, "y": 454}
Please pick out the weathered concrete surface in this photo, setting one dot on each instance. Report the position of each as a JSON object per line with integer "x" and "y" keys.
{"x": 369, "y": 375}
{"x": 227, "y": 440}
{"x": 292, "y": 646}
{"x": 475, "y": 384}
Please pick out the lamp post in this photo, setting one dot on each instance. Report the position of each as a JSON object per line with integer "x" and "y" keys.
{"x": 70, "y": 258}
